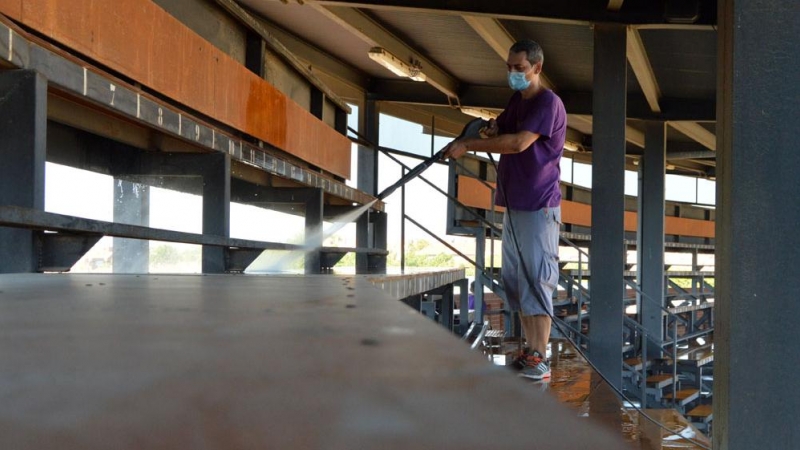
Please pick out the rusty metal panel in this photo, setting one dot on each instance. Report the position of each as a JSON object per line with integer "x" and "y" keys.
{"x": 576, "y": 213}
{"x": 689, "y": 227}
{"x": 171, "y": 59}
{"x": 70, "y": 23}
{"x": 120, "y": 44}
{"x": 11, "y": 8}
{"x": 471, "y": 192}
{"x": 312, "y": 140}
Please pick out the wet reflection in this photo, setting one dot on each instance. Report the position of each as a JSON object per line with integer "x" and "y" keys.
{"x": 574, "y": 383}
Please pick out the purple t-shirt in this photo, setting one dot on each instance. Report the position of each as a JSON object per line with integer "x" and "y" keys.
{"x": 530, "y": 178}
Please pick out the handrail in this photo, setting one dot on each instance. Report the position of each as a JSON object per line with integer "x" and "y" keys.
{"x": 385, "y": 150}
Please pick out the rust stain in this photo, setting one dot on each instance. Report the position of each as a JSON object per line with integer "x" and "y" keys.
{"x": 11, "y": 8}
{"x": 176, "y": 62}
{"x": 472, "y": 192}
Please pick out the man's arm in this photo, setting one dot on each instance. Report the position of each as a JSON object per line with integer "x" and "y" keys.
{"x": 502, "y": 144}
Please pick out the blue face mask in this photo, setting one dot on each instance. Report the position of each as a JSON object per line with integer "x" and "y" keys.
{"x": 517, "y": 81}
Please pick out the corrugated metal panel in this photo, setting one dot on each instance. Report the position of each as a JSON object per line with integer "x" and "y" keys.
{"x": 449, "y": 41}
{"x": 684, "y": 61}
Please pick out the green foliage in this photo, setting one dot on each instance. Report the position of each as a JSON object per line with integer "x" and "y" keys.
{"x": 167, "y": 254}
{"x": 349, "y": 260}
{"x": 416, "y": 257}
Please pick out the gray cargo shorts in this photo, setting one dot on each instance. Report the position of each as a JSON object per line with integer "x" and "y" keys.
{"x": 537, "y": 234}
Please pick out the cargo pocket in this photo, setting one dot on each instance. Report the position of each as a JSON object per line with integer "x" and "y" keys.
{"x": 548, "y": 273}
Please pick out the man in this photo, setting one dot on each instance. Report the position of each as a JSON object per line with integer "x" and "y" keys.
{"x": 529, "y": 135}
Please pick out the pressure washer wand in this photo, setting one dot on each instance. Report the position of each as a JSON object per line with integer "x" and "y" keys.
{"x": 413, "y": 173}
{"x": 472, "y": 129}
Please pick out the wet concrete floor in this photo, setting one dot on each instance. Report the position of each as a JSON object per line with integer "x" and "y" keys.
{"x": 574, "y": 383}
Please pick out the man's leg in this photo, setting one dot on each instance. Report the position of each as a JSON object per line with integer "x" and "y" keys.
{"x": 537, "y": 332}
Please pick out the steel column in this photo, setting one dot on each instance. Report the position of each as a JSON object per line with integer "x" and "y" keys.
{"x": 23, "y": 127}
{"x": 317, "y": 103}
{"x": 313, "y": 237}
{"x": 380, "y": 240}
{"x": 650, "y": 236}
{"x": 216, "y": 207}
{"x": 608, "y": 199}
{"x": 758, "y": 106}
{"x": 367, "y": 177}
{"x": 480, "y": 264}
{"x": 132, "y": 207}
{"x": 254, "y": 55}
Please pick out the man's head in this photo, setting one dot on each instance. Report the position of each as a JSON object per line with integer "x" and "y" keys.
{"x": 524, "y": 64}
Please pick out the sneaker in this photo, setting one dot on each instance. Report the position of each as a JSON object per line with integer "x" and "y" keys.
{"x": 518, "y": 363}
{"x": 536, "y": 367}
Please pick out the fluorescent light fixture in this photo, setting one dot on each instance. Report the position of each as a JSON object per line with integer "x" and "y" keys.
{"x": 482, "y": 113}
{"x": 571, "y": 146}
{"x": 396, "y": 65}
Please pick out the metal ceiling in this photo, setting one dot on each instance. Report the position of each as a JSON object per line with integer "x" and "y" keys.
{"x": 671, "y": 76}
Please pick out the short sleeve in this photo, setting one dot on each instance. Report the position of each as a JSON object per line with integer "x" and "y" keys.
{"x": 541, "y": 116}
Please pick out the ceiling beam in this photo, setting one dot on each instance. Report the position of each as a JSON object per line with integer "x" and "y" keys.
{"x": 640, "y": 63}
{"x": 575, "y": 11}
{"x": 584, "y": 122}
{"x": 318, "y": 59}
{"x": 496, "y": 35}
{"x": 695, "y": 131}
{"x": 576, "y": 102}
{"x": 375, "y": 35}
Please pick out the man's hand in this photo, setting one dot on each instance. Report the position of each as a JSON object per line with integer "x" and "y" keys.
{"x": 490, "y": 130}
{"x": 455, "y": 149}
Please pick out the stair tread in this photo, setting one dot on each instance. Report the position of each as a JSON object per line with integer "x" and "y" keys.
{"x": 701, "y": 411}
{"x": 658, "y": 378}
{"x": 683, "y": 394}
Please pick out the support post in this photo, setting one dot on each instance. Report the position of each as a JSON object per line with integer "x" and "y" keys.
{"x": 23, "y": 147}
{"x": 132, "y": 207}
{"x": 379, "y": 241}
{"x": 255, "y": 54}
{"x": 480, "y": 261}
{"x": 650, "y": 235}
{"x": 313, "y": 237}
{"x": 367, "y": 178}
{"x": 608, "y": 199}
{"x": 317, "y": 102}
{"x": 756, "y": 391}
{"x": 216, "y": 207}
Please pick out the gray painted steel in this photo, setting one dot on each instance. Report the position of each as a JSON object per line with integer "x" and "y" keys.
{"x": 131, "y": 206}
{"x": 608, "y": 200}
{"x": 367, "y": 176}
{"x": 216, "y": 173}
{"x": 313, "y": 231}
{"x": 241, "y": 362}
{"x": 58, "y": 252}
{"x": 23, "y": 127}
{"x": 756, "y": 395}
{"x": 650, "y": 248}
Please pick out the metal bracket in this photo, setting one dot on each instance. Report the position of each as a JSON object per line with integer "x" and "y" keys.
{"x": 238, "y": 259}
{"x": 58, "y": 252}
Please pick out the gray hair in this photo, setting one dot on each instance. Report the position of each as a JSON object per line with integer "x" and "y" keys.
{"x": 531, "y": 48}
